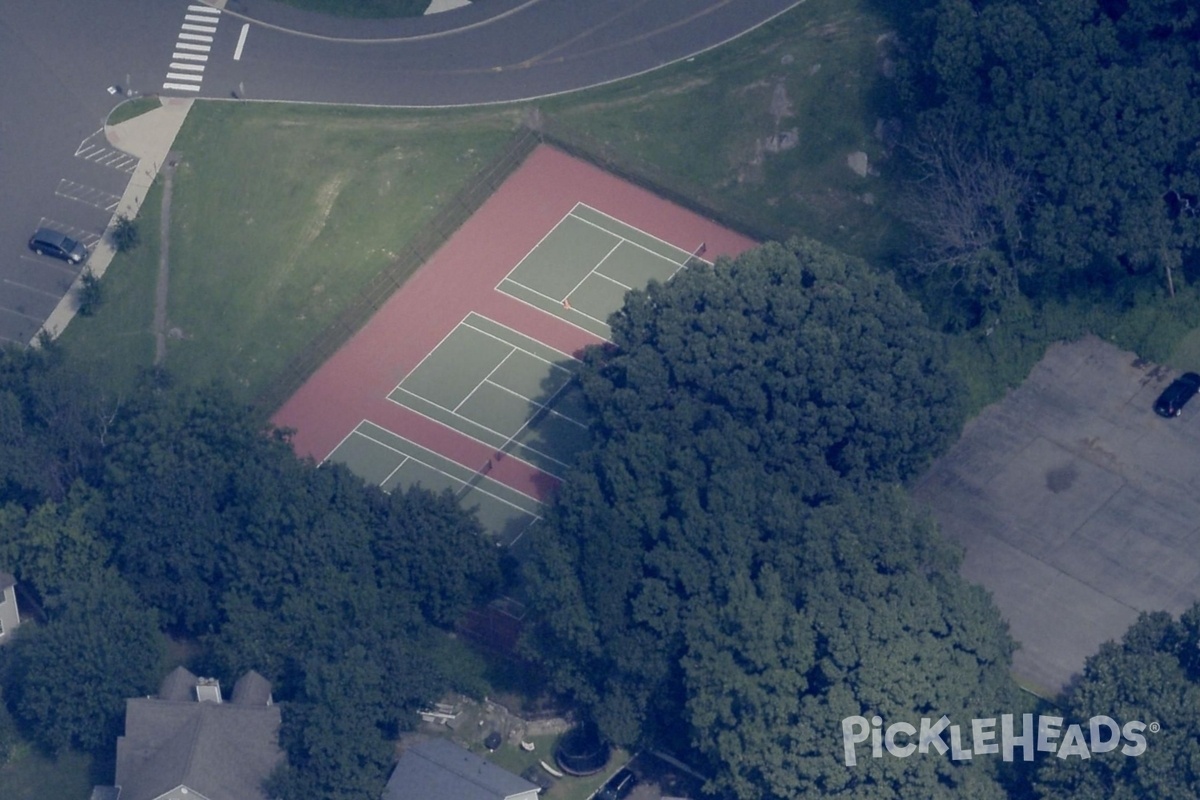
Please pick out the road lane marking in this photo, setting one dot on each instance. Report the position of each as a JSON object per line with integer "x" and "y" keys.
{"x": 237, "y": 53}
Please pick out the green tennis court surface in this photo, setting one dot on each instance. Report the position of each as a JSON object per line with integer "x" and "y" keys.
{"x": 381, "y": 457}
{"x": 504, "y": 389}
{"x": 581, "y": 270}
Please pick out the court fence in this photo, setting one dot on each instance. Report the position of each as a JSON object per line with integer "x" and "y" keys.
{"x": 539, "y": 128}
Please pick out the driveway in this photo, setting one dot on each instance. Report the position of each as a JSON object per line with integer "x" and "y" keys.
{"x": 1076, "y": 505}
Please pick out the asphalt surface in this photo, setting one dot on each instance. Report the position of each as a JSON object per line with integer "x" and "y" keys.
{"x": 67, "y": 63}
{"x": 1076, "y": 504}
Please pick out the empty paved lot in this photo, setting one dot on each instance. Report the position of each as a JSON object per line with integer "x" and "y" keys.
{"x": 1076, "y": 504}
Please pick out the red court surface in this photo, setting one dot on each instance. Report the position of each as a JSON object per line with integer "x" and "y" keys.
{"x": 353, "y": 384}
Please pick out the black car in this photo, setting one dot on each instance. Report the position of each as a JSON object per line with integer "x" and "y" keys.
{"x": 49, "y": 242}
{"x": 618, "y": 786}
{"x": 1171, "y": 402}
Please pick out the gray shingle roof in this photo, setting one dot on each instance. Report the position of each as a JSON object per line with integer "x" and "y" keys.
{"x": 220, "y": 750}
{"x": 438, "y": 768}
{"x": 7, "y": 581}
{"x": 179, "y": 685}
{"x": 252, "y": 689}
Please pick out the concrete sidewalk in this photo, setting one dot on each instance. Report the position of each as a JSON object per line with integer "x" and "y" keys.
{"x": 149, "y": 137}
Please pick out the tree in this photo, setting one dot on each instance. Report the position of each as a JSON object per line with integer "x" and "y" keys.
{"x": 968, "y": 208}
{"x": 69, "y": 678}
{"x": 815, "y": 363}
{"x": 1097, "y": 103}
{"x": 1153, "y": 676}
{"x": 733, "y": 559}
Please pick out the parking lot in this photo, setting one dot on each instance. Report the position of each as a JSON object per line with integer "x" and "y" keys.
{"x": 1077, "y": 505}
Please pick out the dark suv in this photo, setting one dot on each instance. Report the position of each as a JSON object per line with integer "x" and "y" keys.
{"x": 1171, "y": 402}
{"x": 618, "y": 786}
{"x": 49, "y": 242}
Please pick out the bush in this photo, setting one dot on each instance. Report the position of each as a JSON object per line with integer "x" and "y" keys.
{"x": 125, "y": 235}
{"x": 91, "y": 293}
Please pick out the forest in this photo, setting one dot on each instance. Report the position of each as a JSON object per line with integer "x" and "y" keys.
{"x": 735, "y": 566}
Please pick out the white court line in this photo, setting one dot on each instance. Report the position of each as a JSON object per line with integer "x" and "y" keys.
{"x": 676, "y": 265}
{"x": 194, "y": 37}
{"x": 466, "y": 324}
{"x": 564, "y": 319}
{"x": 525, "y": 424}
{"x": 507, "y": 439}
{"x": 555, "y": 302}
{"x": 403, "y": 461}
{"x": 189, "y": 56}
{"x": 191, "y": 67}
{"x": 614, "y": 280}
{"x": 636, "y": 228}
{"x": 536, "y": 246}
{"x": 499, "y": 364}
{"x": 545, "y": 408}
{"x": 237, "y": 52}
{"x": 199, "y": 48}
{"x": 594, "y": 268}
{"x": 509, "y": 503}
{"x": 185, "y": 76}
{"x": 427, "y": 355}
{"x": 190, "y": 87}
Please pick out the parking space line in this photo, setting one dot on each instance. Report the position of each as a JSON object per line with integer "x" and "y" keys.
{"x": 38, "y": 320}
{"x": 33, "y": 289}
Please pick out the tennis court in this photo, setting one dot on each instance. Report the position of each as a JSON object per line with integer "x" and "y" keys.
{"x": 581, "y": 270}
{"x": 503, "y": 389}
{"x": 379, "y": 456}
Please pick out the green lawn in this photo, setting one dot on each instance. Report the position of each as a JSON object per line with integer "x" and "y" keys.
{"x": 281, "y": 214}
{"x": 32, "y": 776}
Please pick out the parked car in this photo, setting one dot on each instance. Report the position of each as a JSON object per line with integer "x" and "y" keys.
{"x": 49, "y": 242}
{"x": 618, "y": 786}
{"x": 1171, "y": 402}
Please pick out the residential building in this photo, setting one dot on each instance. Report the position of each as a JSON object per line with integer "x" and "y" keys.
{"x": 439, "y": 769}
{"x": 189, "y": 743}
{"x": 10, "y": 617}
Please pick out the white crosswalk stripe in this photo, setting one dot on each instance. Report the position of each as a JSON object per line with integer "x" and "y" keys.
{"x": 192, "y": 44}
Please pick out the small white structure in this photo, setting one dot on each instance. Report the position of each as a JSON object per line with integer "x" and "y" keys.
{"x": 10, "y": 618}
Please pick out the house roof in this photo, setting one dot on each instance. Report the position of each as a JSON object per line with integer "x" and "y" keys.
{"x": 180, "y": 685}
{"x": 7, "y": 581}
{"x": 252, "y": 689}
{"x": 221, "y": 751}
{"x": 438, "y": 768}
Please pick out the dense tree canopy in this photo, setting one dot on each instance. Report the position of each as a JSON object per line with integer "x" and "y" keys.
{"x": 1097, "y": 104}
{"x": 177, "y": 510}
{"x": 732, "y": 568}
{"x": 1153, "y": 676}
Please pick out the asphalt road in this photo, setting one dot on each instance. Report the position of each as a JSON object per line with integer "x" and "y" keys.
{"x": 60, "y": 58}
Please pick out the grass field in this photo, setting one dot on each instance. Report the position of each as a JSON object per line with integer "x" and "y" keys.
{"x": 33, "y": 776}
{"x": 280, "y": 215}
